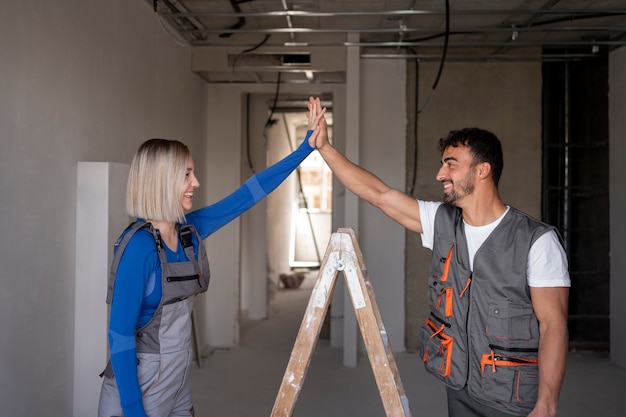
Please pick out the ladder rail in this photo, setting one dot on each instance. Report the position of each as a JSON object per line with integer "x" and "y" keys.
{"x": 343, "y": 254}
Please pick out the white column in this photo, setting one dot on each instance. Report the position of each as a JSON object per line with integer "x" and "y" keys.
{"x": 353, "y": 93}
{"x": 100, "y": 218}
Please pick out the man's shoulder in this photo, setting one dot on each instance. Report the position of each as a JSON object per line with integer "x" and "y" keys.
{"x": 531, "y": 220}
{"x": 448, "y": 210}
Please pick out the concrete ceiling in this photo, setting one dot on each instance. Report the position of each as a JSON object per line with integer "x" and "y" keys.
{"x": 305, "y": 40}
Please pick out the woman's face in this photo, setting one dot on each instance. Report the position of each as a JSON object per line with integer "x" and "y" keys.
{"x": 190, "y": 184}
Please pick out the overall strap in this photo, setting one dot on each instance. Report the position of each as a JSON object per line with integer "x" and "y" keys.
{"x": 118, "y": 250}
{"x": 185, "y": 233}
{"x": 158, "y": 241}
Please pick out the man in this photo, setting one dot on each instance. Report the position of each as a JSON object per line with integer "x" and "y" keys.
{"x": 498, "y": 286}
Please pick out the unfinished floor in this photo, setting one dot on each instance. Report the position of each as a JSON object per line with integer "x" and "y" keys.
{"x": 244, "y": 381}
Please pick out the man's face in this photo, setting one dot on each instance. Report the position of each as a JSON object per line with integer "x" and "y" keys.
{"x": 456, "y": 174}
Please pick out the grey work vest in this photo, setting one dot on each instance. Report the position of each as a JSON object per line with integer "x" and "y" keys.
{"x": 482, "y": 330}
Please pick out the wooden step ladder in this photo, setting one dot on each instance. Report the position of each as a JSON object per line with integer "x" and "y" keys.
{"x": 343, "y": 254}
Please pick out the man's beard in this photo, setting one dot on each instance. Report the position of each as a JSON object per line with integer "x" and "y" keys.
{"x": 453, "y": 196}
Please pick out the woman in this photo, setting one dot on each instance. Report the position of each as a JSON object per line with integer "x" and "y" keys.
{"x": 159, "y": 266}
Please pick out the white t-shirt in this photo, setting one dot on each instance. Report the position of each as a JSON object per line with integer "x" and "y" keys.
{"x": 547, "y": 262}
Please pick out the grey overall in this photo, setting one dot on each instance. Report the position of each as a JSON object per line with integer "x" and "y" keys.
{"x": 164, "y": 344}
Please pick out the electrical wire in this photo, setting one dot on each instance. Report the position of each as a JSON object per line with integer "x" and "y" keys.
{"x": 255, "y": 47}
{"x": 241, "y": 21}
{"x": 443, "y": 57}
{"x": 249, "y": 157}
{"x": 269, "y": 119}
{"x": 416, "y": 101}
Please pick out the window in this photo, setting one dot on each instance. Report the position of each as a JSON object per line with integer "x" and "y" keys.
{"x": 575, "y": 189}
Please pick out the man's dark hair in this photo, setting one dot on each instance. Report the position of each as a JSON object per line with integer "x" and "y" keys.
{"x": 483, "y": 145}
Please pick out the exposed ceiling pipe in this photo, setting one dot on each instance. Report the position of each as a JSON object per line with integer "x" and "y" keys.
{"x": 419, "y": 30}
{"x": 479, "y": 44}
{"x": 389, "y": 13}
{"x": 476, "y": 44}
{"x": 289, "y": 23}
{"x": 529, "y": 22}
{"x": 488, "y": 57}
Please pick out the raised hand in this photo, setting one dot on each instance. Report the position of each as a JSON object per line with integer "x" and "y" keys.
{"x": 322, "y": 136}
{"x": 315, "y": 115}
{"x": 315, "y": 112}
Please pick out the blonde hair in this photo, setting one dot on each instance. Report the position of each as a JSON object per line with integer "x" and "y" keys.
{"x": 155, "y": 181}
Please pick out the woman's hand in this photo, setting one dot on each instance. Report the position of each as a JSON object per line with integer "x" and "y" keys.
{"x": 317, "y": 122}
{"x": 315, "y": 112}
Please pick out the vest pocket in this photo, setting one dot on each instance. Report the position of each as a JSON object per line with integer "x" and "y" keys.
{"x": 436, "y": 349}
{"x": 510, "y": 379}
{"x": 508, "y": 321}
{"x": 528, "y": 385}
{"x": 184, "y": 278}
{"x": 445, "y": 300}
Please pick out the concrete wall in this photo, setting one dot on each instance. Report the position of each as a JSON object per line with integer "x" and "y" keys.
{"x": 381, "y": 150}
{"x": 73, "y": 88}
{"x": 617, "y": 191}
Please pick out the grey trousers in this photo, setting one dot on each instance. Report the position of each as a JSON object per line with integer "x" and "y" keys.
{"x": 460, "y": 404}
{"x": 163, "y": 382}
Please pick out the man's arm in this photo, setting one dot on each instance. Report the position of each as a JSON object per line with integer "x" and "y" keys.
{"x": 550, "y": 305}
{"x": 397, "y": 205}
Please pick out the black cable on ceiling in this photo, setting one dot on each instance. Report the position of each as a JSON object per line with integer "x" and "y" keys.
{"x": 443, "y": 57}
{"x": 241, "y": 21}
{"x": 445, "y": 45}
{"x": 573, "y": 18}
{"x": 270, "y": 122}
{"x": 416, "y": 101}
{"x": 250, "y": 164}
{"x": 257, "y": 46}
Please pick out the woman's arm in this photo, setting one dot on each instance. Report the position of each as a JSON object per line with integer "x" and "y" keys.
{"x": 396, "y": 204}
{"x": 135, "y": 267}
{"x": 209, "y": 219}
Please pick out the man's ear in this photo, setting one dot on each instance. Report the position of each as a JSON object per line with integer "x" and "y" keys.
{"x": 484, "y": 169}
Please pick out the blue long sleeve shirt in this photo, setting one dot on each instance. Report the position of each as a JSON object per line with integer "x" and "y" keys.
{"x": 137, "y": 290}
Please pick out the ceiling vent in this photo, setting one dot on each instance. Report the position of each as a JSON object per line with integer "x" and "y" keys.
{"x": 271, "y": 60}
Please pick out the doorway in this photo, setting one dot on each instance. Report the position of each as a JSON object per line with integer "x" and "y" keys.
{"x": 295, "y": 220}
